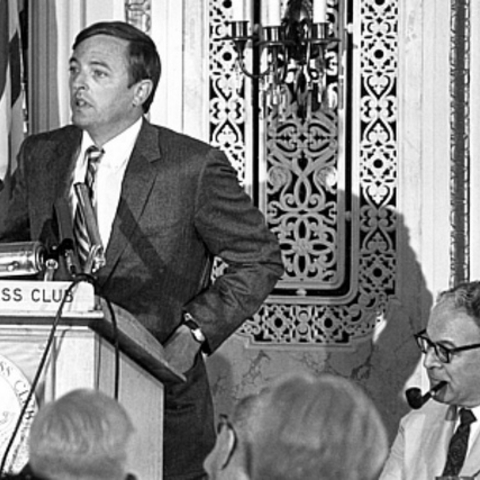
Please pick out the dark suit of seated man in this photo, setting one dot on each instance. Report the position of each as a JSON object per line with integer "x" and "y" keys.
{"x": 451, "y": 344}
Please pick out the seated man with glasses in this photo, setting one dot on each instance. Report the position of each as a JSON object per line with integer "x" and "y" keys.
{"x": 301, "y": 428}
{"x": 442, "y": 439}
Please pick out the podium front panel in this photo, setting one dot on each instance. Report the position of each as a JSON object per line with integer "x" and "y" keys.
{"x": 81, "y": 358}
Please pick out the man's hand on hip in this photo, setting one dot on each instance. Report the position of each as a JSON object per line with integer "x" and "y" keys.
{"x": 181, "y": 349}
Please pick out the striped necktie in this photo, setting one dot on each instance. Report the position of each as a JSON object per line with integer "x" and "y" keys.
{"x": 93, "y": 155}
{"x": 457, "y": 450}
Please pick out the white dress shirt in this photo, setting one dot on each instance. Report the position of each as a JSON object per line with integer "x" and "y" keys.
{"x": 109, "y": 176}
{"x": 474, "y": 427}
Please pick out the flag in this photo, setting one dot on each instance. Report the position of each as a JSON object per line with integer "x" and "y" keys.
{"x": 12, "y": 118}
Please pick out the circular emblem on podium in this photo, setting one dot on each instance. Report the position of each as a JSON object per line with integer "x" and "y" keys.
{"x": 14, "y": 390}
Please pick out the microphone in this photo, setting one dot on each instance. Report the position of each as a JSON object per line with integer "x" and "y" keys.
{"x": 66, "y": 248}
{"x": 415, "y": 398}
{"x": 21, "y": 258}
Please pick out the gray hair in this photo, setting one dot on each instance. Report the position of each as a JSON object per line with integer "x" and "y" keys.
{"x": 315, "y": 427}
{"x": 464, "y": 296}
{"x": 83, "y": 434}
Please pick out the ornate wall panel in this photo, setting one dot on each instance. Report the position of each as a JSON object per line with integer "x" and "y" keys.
{"x": 331, "y": 188}
{"x": 227, "y": 99}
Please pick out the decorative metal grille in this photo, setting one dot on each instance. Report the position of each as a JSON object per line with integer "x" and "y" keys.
{"x": 331, "y": 189}
{"x": 227, "y": 94}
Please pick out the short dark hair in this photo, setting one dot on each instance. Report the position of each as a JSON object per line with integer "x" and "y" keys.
{"x": 143, "y": 59}
{"x": 464, "y": 296}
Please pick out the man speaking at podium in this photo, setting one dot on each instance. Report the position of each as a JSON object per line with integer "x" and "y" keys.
{"x": 165, "y": 205}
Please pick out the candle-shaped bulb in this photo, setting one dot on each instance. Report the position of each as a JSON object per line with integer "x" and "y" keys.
{"x": 240, "y": 10}
{"x": 271, "y": 13}
{"x": 319, "y": 11}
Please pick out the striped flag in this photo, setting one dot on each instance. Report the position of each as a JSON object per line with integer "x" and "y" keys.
{"x": 12, "y": 120}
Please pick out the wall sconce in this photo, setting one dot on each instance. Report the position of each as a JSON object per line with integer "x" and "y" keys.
{"x": 289, "y": 50}
{"x": 139, "y": 14}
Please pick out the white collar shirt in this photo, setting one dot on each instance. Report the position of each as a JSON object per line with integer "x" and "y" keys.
{"x": 109, "y": 176}
{"x": 474, "y": 427}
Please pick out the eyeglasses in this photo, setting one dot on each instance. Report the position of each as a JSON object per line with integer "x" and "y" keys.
{"x": 443, "y": 353}
{"x": 224, "y": 423}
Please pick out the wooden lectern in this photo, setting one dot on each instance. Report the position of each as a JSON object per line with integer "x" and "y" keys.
{"x": 83, "y": 355}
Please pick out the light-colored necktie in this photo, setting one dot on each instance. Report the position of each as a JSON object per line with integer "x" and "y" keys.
{"x": 93, "y": 155}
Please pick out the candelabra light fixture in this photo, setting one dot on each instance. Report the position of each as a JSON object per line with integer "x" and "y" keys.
{"x": 290, "y": 50}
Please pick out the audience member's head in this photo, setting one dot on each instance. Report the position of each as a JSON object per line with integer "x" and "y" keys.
{"x": 302, "y": 428}
{"x": 451, "y": 344}
{"x": 82, "y": 435}
{"x": 231, "y": 457}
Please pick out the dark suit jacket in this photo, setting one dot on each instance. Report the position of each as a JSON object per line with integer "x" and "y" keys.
{"x": 180, "y": 205}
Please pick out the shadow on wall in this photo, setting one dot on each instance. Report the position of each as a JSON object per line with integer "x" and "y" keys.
{"x": 384, "y": 363}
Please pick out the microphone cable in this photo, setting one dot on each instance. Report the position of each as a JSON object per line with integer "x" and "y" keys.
{"x": 82, "y": 277}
